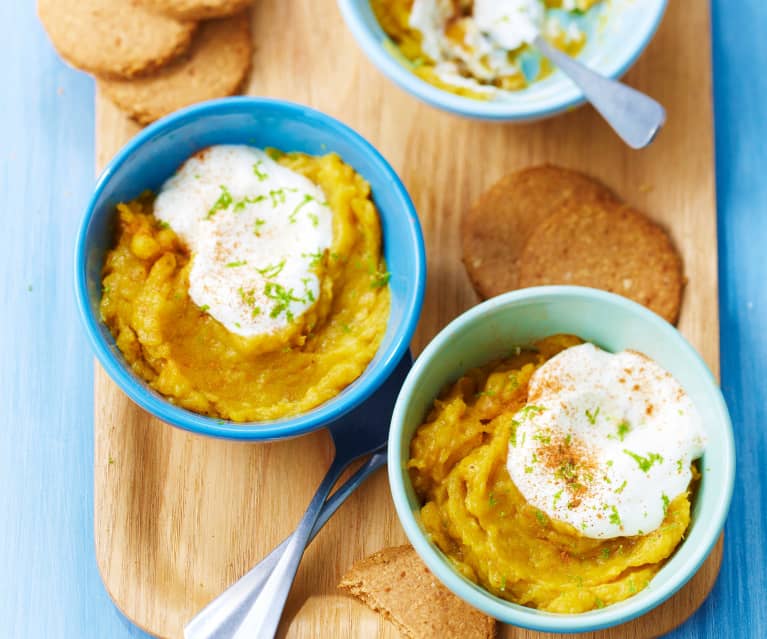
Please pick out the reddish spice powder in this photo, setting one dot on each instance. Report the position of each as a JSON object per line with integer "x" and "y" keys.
{"x": 570, "y": 460}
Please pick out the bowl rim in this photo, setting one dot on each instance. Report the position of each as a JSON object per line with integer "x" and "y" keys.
{"x": 569, "y": 97}
{"x": 333, "y": 408}
{"x": 475, "y": 595}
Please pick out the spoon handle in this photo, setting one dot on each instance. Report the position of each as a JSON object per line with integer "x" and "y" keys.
{"x": 229, "y": 608}
{"x": 262, "y": 617}
{"x": 634, "y": 116}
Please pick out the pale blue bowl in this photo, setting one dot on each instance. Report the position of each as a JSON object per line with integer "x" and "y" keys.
{"x": 611, "y": 50}
{"x": 157, "y": 152}
{"x": 614, "y": 323}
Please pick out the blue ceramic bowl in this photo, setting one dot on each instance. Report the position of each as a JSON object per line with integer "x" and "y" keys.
{"x": 618, "y": 32}
{"x": 614, "y": 323}
{"x": 157, "y": 152}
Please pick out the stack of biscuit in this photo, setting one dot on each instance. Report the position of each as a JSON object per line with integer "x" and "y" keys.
{"x": 547, "y": 225}
{"x": 152, "y": 57}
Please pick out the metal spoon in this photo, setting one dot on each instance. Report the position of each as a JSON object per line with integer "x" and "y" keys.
{"x": 634, "y": 116}
{"x": 225, "y": 613}
{"x": 254, "y": 609}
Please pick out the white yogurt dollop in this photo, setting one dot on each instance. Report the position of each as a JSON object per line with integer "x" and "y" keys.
{"x": 255, "y": 229}
{"x": 509, "y": 23}
{"x": 488, "y": 35}
{"x": 605, "y": 442}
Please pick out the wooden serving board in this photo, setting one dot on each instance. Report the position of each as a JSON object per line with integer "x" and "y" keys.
{"x": 180, "y": 517}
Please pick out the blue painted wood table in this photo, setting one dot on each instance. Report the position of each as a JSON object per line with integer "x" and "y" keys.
{"x": 50, "y": 586}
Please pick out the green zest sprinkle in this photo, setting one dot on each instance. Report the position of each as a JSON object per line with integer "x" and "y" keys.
{"x": 619, "y": 490}
{"x": 277, "y": 196}
{"x": 513, "y": 437}
{"x": 514, "y": 382}
{"x": 542, "y": 519}
{"x": 492, "y": 500}
{"x": 283, "y": 297}
{"x": 346, "y": 328}
{"x": 528, "y": 469}
{"x": 272, "y": 271}
{"x": 258, "y": 172}
{"x": 236, "y": 264}
{"x": 592, "y": 417}
{"x": 557, "y": 497}
{"x": 503, "y": 584}
{"x": 666, "y": 502}
{"x": 623, "y": 429}
{"x": 599, "y": 603}
{"x": 292, "y": 217}
{"x": 223, "y": 202}
{"x": 105, "y": 290}
{"x": 307, "y": 290}
{"x": 645, "y": 463}
{"x": 544, "y": 439}
{"x": 274, "y": 154}
{"x": 615, "y": 518}
{"x": 237, "y": 324}
{"x": 379, "y": 279}
{"x": 632, "y": 586}
{"x": 679, "y": 465}
{"x": 204, "y": 308}
{"x": 568, "y": 439}
{"x": 314, "y": 258}
{"x": 489, "y": 393}
{"x": 257, "y": 226}
{"x": 531, "y": 409}
{"x": 248, "y": 297}
{"x": 567, "y": 471}
{"x": 163, "y": 224}
{"x": 314, "y": 218}
{"x": 240, "y": 205}
{"x": 605, "y": 553}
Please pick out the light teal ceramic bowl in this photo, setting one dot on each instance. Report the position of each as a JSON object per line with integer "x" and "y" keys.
{"x": 618, "y": 32}
{"x": 614, "y": 323}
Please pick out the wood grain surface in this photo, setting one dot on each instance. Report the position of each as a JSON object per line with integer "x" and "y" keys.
{"x": 179, "y": 517}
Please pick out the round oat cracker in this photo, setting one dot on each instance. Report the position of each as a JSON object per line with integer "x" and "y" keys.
{"x": 608, "y": 246}
{"x": 495, "y": 229}
{"x": 115, "y": 38}
{"x": 197, "y": 9}
{"x": 215, "y": 66}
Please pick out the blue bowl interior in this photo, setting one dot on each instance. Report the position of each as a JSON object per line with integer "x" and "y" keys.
{"x": 157, "y": 152}
{"x": 614, "y": 323}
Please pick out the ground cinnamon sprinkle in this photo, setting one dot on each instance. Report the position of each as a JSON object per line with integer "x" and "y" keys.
{"x": 547, "y": 385}
{"x": 570, "y": 460}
